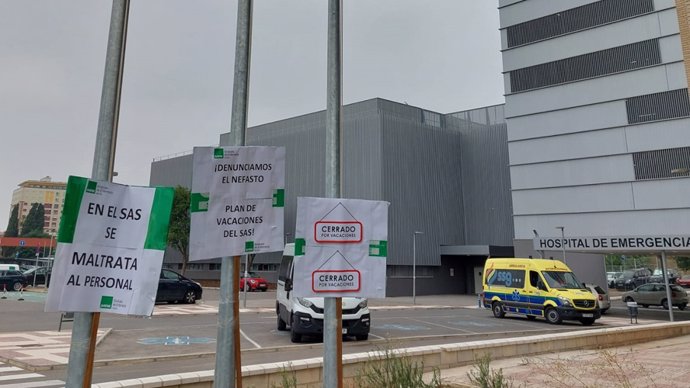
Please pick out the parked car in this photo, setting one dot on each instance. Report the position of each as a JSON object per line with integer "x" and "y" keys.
{"x": 254, "y": 282}
{"x": 42, "y": 275}
{"x": 683, "y": 281}
{"x": 11, "y": 280}
{"x": 655, "y": 294}
{"x": 173, "y": 287}
{"x": 611, "y": 278}
{"x": 632, "y": 278}
{"x": 602, "y": 297}
{"x": 658, "y": 276}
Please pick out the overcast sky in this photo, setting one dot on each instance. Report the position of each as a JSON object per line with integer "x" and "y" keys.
{"x": 441, "y": 55}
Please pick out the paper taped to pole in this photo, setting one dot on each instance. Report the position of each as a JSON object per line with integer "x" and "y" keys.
{"x": 110, "y": 248}
{"x": 237, "y": 201}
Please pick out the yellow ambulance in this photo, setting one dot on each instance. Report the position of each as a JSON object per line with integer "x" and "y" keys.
{"x": 537, "y": 288}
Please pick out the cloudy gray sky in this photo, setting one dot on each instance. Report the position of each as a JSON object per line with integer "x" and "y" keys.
{"x": 442, "y": 55}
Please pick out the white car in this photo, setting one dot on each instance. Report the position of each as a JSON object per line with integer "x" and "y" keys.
{"x": 304, "y": 316}
{"x": 602, "y": 297}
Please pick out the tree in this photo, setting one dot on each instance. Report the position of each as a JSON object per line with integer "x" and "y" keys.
{"x": 12, "y": 231}
{"x": 178, "y": 232}
{"x": 683, "y": 262}
{"x": 33, "y": 223}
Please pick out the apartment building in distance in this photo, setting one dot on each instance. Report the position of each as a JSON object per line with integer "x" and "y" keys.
{"x": 45, "y": 191}
{"x": 598, "y": 118}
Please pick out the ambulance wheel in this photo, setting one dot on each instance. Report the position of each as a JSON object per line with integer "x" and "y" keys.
{"x": 497, "y": 309}
{"x": 587, "y": 321}
{"x": 553, "y": 316}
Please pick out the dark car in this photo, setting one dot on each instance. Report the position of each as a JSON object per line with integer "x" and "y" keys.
{"x": 254, "y": 282}
{"x": 658, "y": 276}
{"x": 11, "y": 280}
{"x": 173, "y": 287}
{"x": 42, "y": 275}
{"x": 632, "y": 278}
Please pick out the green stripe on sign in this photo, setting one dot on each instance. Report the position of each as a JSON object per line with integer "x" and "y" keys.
{"x": 70, "y": 212}
{"x": 279, "y": 198}
{"x": 198, "y": 202}
{"x": 299, "y": 246}
{"x": 157, "y": 235}
{"x": 378, "y": 248}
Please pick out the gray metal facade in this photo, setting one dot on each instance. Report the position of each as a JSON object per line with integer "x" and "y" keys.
{"x": 444, "y": 175}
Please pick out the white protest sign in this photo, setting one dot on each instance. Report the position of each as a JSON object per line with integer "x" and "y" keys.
{"x": 237, "y": 201}
{"x": 110, "y": 248}
{"x": 340, "y": 248}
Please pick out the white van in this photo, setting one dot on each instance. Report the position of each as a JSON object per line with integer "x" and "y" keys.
{"x": 9, "y": 267}
{"x": 304, "y": 316}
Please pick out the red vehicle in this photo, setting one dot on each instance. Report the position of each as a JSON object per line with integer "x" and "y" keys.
{"x": 254, "y": 282}
{"x": 684, "y": 281}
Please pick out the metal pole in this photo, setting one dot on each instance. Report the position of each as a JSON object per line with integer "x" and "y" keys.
{"x": 35, "y": 270}
{"x": 414, "y": 268}
{"x": 83, "y": 342}
{"x": 667, "y": 286}
{"x": 228, "y": 372}
{"x": 246, "y": 275}
{"x": 332, "y": 336}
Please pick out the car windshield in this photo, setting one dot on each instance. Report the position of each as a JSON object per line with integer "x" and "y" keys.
{"x": 251, "y": 275}
{"x": 557, "y": 279}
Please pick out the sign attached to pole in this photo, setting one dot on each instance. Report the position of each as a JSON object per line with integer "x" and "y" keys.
{"x": 110, "y": 248}
{"x": 646, "y": 243}
{"x": 237, "y": 201}
{"x": 340, "y": 248}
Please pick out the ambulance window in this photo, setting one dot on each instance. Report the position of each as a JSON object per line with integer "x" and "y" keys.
{"x": 533, "y": 278}
{"x": 506, "y": 278}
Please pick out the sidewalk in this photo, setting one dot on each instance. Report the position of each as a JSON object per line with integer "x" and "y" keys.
{"x": 661, "y": 364}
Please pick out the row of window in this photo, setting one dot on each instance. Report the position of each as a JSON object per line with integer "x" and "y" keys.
{"x": 576, "y": 19}
{"x": 599, "y": 63}
{"x": 658, "y": 164}
{"x": 658, "y": 106}
{"x": 262, "y": 267}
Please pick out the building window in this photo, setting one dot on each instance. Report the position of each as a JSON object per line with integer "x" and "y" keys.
{"x": 576, "y": 19}
{"x": 265, "y": 267}
{"x": 658, "y": 164}
{"x": 614, "y": 60}
{"x": 214, "y": 267}
{"x": 196, "y": 266}
{"x": 658, "y": 106}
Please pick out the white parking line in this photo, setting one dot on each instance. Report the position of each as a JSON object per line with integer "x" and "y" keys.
{"x": 250, "y": 340}
{"x": 20, "y": 376}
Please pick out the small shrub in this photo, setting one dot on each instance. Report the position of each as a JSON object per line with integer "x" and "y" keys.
{"x": 483, "y": 376}
{"x": 388, "y": 370}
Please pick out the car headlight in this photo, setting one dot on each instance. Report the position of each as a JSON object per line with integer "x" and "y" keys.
{"x": 565, "y": 301}
{"x": 252, "y": 281}
{"x": 363, "y": 304}
{"x": 305, "y": 302}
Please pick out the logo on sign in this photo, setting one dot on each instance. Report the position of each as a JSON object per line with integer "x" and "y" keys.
{"x": 346, "y": 280}
{"x": 341, "y": 232}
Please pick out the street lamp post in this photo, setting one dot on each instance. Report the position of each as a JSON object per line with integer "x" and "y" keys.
{"x": 562, "y": 228}
{"x": 414, "y": 266}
